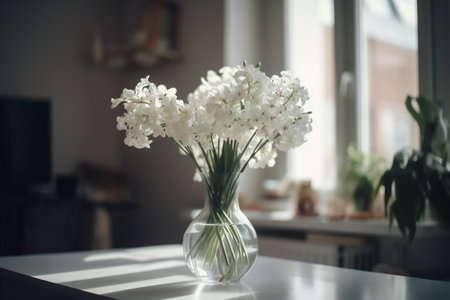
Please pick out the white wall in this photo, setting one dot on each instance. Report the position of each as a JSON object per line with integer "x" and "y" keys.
{"x": 242, "y": 32}
{"x": 254, "y": 32}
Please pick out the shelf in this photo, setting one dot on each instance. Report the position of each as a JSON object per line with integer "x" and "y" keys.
{"x": 154, "y": 40}
{"x": 371, "y": 227}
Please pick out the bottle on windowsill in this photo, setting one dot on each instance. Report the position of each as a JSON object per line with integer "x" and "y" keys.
{"x": 306, "y": 200}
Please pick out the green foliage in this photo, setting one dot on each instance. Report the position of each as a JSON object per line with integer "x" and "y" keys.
{"x": 363, "y": 193}
{"x": 362, "y": 173}
{"x": 432, "y": 125}
{"x": 220, "y": 176}
{"x": 420, "y": 176}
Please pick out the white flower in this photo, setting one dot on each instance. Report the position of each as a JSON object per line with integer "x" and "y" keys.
{"x": 266, "y": 156}
{"x": 239, "y": 103}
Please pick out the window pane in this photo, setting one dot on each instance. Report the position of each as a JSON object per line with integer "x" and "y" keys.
{"x": 389, "y": 37}
{"x": 310, "y": 56}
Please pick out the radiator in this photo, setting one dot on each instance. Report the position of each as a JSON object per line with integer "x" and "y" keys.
{"x": 358, "y": 256}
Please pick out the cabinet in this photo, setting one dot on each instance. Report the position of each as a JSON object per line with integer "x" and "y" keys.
{"x": 36, "y": 224}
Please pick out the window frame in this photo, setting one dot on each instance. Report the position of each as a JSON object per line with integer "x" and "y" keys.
{"x": 351, "y": 101}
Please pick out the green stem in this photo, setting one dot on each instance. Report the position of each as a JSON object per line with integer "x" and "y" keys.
{"x": 220, "y": 177}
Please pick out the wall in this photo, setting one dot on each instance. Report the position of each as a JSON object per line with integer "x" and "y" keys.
{"x": 45, "y": 52}
{"x": 440, "y": 52}
{"x": 254, "y": 32}
{"x": 160, "y": 177}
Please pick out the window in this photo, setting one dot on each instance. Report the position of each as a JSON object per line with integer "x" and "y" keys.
{"x": 389, "y": 41}
{"x": 310, "y": 56}
{"x": 372, "y": 47}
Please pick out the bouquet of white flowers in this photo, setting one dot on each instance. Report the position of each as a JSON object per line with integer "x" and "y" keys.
{"x": 236, "y": 118}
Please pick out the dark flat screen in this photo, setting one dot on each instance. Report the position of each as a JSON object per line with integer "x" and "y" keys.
{"x": 25, "y": 138}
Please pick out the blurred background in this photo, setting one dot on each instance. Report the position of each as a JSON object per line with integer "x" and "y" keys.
{"x": 69, "y": 183}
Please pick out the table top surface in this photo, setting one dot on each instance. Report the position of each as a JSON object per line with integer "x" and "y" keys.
{"x": 159, "y": 272}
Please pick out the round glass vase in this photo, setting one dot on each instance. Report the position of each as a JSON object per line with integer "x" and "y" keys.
{"x": 220, "y": 245}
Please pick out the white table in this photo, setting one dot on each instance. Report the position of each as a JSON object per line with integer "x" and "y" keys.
{"x": 159, "y": 272}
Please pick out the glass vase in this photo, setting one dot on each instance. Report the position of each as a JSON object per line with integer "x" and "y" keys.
{"x": 220, "y": 245}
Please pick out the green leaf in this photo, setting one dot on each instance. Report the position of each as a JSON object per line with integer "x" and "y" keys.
{"x": 428, "y": 109}
{"x": 404, "y": 205}
{"x": 415, "y": 179}
{"x": 386, "y": 181}
{"x": 416, "y": 115}
{"x": 440, "y": 196}
{"x": 427, "y": 119}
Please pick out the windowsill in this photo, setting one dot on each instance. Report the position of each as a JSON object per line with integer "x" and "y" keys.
{"x": 285, "y": 220}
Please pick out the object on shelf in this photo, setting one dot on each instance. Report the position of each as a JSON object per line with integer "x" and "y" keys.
{"x": 336, "y": 208}
{"x": 279, "y": 195}
{"x": 154, "y": 39}
{"x": 360, "y": 215}
{"x": 306, "y": 200}
{"x": 378, "y": 206}
{"x": 278, "y": 188}
{"x": 66, "y": 186}
{"x": 102, "y": 184}
{"x": 245, "y": 204}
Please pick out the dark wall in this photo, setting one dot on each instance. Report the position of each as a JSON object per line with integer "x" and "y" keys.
{"x": 46, "y": 52}
{"x": 162, "y": 178}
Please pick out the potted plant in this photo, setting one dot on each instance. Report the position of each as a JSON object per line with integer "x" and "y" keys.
{"x": 418, "y": 177}
{"x": 362, "y": 173}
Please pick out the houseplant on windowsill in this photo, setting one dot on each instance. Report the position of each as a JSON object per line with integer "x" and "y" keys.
{"x": 236, "y": 118}
{"x": 362, "y": 173}
{"x": 420, "y": 177}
